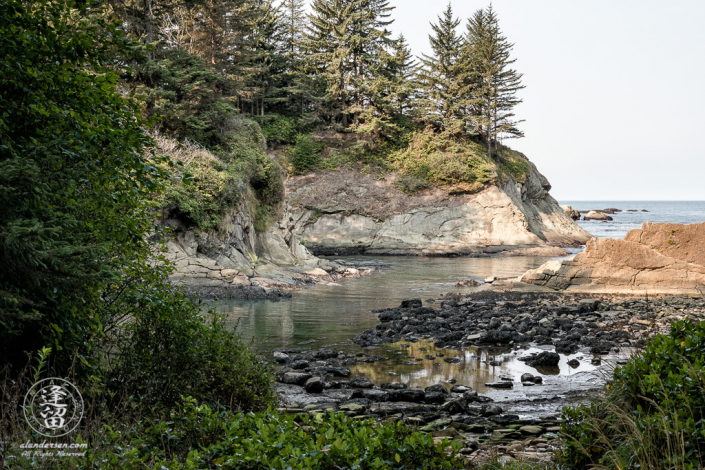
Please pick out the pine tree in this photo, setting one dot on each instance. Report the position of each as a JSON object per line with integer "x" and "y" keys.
{"x": 294, "y": 17}
{"x": 405, "y": 86}
{"x": 444, "y": 75}
{"x": 344, "y": 44}
{"x": 495, "y": 84}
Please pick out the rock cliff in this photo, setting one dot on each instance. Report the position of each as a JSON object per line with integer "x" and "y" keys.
{"x": 657, "y": 259}
{"x": 238, "y": 263}
{"x": 347, "y": 212}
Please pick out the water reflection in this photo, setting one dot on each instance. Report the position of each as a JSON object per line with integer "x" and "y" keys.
{"x": 477, "y": 366}
{"x": 333, "y": 314}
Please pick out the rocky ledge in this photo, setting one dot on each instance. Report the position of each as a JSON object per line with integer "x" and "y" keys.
{"x": 347, "y": 212}
{"x": 657, "y": 259}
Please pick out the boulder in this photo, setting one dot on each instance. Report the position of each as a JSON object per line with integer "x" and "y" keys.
{"x": 656, "y": 259}
{"x": 440, "y": 388}
{"x": 314, "y": 385}
{"x": 596, "y": 215}
{"x": 361, "y": 382}
{"x": 412, "y": 303}
{"x": 411, "y": 395}
{"x": 295, "y": 378}
{"x": 544, "y": 359}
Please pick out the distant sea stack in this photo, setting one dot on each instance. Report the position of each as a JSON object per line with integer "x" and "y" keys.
{"x": 657, "y": 259}
{"x": 346, "y": 212}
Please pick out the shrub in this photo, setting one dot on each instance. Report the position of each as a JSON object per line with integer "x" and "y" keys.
{"x": 281, "y": 130}
{"x": 168, "y": 348}
{"x": 653, "y": 413}
{"x": 201, "y": 437}
{"x": 443, "y": 160}
{"x": 305, "y": 155}
{"x": 411, "y": 184}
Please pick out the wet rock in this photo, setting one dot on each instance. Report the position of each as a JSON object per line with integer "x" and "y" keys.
{"x": 295, "y": 378}
{"x": 467, "y": 283}
{"x": 435, "y": 397}
{"x": 451, "y": 360}
{"x": 574, "y": 363}
{"x": 281, "y": 357}
{"x": 324, "y": 354}
{"x": 353, "y": 408}
{"x": 439, "y": 388}
{"x": 544, "y": 359}
{"x": 527, "y": 378}
{"x": 314, "y": 385}
{"x": 531, "y": 430}
{"x": 393, "y": 386}
{"x": 500, "y": 385}
{"x": 460, "y": 389}
{"x": 455, "y": 406}
{"x": 490, "y": 410}
{"x": 361, "y": 382}
{"x": 300, "y": 365}
{"x": 412, "y": 303}
{"x": 566, "y": 347}
{"x": 411, "y": 395}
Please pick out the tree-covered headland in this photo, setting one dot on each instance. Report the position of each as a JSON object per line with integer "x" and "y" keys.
{"x": 113, "y": 112}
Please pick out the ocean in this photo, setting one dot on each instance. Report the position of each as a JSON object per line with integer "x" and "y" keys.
{"x": 679, "y": 212}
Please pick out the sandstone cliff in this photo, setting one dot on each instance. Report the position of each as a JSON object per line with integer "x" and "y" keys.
{"x": 346, "y": 212}
{"x": 658, "y": 259}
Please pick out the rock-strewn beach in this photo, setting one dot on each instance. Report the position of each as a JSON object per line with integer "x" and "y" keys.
{"x": 598, "y": 327}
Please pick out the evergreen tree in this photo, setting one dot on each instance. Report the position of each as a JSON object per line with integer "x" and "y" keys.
{"x": 495, "y": 84}
{"x": 344, "y": 43}
{"x": 294, "y": 17}
{"x": 444, "y": 75}
{"x": 405, "y": 86}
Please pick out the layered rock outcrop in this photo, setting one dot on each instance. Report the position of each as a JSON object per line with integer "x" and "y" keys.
{"x": 657, "y": 259}
{"x": 239, "y": 263}
{"x": 347, "y": 212}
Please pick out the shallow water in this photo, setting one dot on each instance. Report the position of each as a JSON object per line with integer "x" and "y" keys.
{"x": 327, "y": 315}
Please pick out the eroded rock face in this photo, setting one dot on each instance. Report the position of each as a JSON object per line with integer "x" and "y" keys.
{"x": 345, "y": 212}
{"x": 658, "y": 259}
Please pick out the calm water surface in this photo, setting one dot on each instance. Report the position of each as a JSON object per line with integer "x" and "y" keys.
{"x": 331, "y": 315}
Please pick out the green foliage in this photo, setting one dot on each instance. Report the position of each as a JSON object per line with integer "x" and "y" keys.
{"x": 169, "y": 348}
{"x": 653, "y": 415}
{"x": 411, "y": 184}
{"x": 305, "y": 155}
{"x": 72, "y": 176}
{"x": 443, "y": 160}
{"x": 281, "y": 130}
{"x": 512, "y": 164}
{"x": 200, "y": 437}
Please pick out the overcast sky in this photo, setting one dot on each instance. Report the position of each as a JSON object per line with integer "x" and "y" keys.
{"x": 615, "y": 91}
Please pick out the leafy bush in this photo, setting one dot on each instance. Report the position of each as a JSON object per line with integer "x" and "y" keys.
{"x": 201, "y": 437}
{"x": 281, "y": 130}
{"x": 411, "y": 184}
{"x": 653, "y": 414}
{"x": 443, "y": 159}
{"x": 305, "y": 155}
{"x": 512, "y": 164}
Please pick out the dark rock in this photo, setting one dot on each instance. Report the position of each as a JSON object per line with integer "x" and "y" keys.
{"x": 300, "y": 365}
{"x": 324, "y": 354}
{"x": 451, "y": 360}
{"x": 295, "y": 378}
{"x": 314, "y": 385}
{"x": 527, "y": 378}
{"x": 435, "y": 397}
{"x": 439, "y": 388}
{"x": 500, "y": 385}
{"x": 544, "y": 359}
{"x": 566, "y": 347}
{"x": 490, "y": 410}
{"x": 574, "y": 363}
{"x": 281, "y": 357}
{"x": 412, "y": 395}
{"x": 455, "y": 406}
{"x": 361, "y": 382}
{"x": 394, "y": 386}
{"x": 412, "y": 303}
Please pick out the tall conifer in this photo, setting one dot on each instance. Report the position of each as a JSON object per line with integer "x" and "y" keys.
{"x": 444, "y": 75}
{"x": 495, "y": 84}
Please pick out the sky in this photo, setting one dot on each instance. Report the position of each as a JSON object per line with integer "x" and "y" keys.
{"x": 615, "y": 91}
